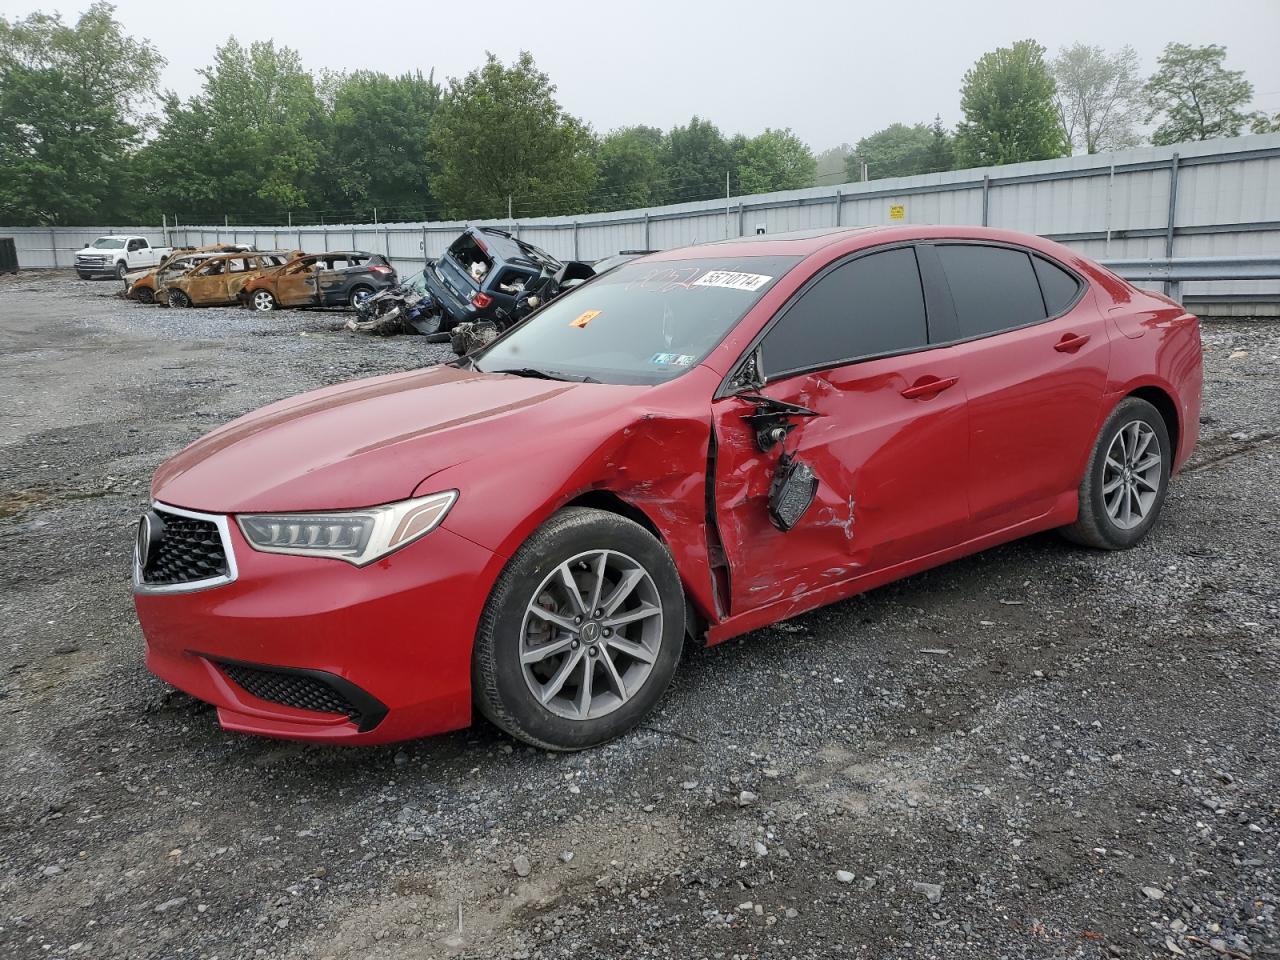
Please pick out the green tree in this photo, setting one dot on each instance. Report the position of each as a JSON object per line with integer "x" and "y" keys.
{"x": 73, "y": 102}
{"x": 1198, "y": 98}
{"x": 774, "y": 160}
{"x": 1009, "y": 113}
{"x": 831, "y": 165}
{"x": 1099, "y": 97}
{"x": 901, "y": 151}
{"x": 378, "y": 137}
{"x": 696, "y": 160}
{"x": 1261, "y": 123}
{"x": 499, "y": 132}
{"x": 942, "y": 148}
{"x": 630, "y": 165}
{"x": 247, "y": 145}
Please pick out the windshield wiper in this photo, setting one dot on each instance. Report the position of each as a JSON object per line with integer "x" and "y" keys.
{"x": 543, "y": 374}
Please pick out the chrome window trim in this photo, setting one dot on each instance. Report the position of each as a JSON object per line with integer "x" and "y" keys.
{"x": 220, "y": 521}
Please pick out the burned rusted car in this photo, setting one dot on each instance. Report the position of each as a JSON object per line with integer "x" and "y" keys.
{"x": 334, "y": 279}
{"x": 218, "y": 280}
{"x": 141, "y": 285}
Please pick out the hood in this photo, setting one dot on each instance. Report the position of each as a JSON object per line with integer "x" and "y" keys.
{"x": 369, "y": 441}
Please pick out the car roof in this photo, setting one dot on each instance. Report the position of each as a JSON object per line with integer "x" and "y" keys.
{"x": 804, "y": 243}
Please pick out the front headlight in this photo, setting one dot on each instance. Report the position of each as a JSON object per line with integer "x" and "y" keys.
{"x": 356, "y": 536}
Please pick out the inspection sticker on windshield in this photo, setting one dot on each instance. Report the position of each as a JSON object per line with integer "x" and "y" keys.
{"x": 584, "y": 318}
{"x": 750, "y": 282}
{"x": 672, "y": 359}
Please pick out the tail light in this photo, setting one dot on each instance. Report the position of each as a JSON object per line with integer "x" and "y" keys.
{"x": 379, "y": 268}
{"x": 481, "y": 300}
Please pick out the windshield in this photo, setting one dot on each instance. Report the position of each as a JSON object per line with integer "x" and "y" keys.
{"x": 645, "y": 322}
{"x": 108, "y": 243}
{"x": 417, "y": 283}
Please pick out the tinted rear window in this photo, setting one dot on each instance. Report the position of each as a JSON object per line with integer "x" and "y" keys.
{"x": 993, "y": 288}
{"x": 645, "y": 322}
{"x": 1058, "y": 286}
{"x": 869, "y": 306}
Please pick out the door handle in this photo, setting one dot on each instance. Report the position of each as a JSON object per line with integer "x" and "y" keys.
{"x": 1070, "y": 343}
{"x": 927, "y": 387}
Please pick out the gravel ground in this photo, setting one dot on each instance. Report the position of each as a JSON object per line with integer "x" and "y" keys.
{"x": 1040, "y": 751}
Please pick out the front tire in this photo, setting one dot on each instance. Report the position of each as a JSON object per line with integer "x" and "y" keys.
{"x": 262, "y": 301}
{"x": 1126, "y": 481}
{"x": 581, "y": 634}
{"x": 121, "y": 270}
{"x": 178, "y": 298}
{"x": 146, "y": 295}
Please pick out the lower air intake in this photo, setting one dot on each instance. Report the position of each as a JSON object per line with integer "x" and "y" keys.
{"x": 307, "y": 690}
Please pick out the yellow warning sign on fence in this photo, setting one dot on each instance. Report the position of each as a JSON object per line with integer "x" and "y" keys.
{"x": 897, "y": 211}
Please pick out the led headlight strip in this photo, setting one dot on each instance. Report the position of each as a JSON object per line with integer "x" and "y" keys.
{"x": 356, "y": 536}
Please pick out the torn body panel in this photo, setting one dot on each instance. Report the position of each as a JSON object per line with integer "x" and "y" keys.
{"x": 645, "y": 447}
{"x": 891, "y": 478}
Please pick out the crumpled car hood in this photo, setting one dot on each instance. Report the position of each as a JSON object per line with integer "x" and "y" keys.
{"x": 368, "y": 441}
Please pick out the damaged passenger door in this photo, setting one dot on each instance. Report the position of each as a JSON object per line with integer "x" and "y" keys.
{"x": 850, "y": 392}
{"x": 298, "y": 283}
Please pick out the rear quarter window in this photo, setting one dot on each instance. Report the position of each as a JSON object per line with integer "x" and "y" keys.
{"x": 1059, "y": 287}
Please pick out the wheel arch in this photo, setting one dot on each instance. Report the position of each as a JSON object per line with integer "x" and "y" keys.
{"x": 1165, "y": 405}
{"x": 610, "y": 502}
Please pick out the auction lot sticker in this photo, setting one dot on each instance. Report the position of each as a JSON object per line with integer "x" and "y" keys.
{"x": 584, "y": 318}
{"x": 750, "y": 282}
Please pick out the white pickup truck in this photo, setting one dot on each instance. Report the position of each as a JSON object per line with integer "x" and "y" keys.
{"x": 117, "y": 255}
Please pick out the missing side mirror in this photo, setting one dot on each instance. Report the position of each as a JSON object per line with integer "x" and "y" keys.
{"x": 750, "y": 375}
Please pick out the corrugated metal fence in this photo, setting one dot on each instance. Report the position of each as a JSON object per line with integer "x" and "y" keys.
{"x": 1217, "y": 198}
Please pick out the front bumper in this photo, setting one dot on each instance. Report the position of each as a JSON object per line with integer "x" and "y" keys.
{"x": 95, "y": 268}
{"x": 393, "y": 640}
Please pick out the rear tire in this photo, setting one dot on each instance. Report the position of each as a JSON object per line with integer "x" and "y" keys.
{"x": 359, "y": 295}
{"x": 1125, "y": 484}
{"x": 613, "y": 664}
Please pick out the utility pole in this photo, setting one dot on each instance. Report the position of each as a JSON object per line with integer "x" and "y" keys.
{"x": 726, "y": 204}
{"x": 509, "y": 216}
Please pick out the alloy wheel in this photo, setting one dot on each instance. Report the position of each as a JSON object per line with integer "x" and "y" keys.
{"x": 263, "y": 301}
{"x": 591, "y": 634}
{"x": 1131, "y": 474}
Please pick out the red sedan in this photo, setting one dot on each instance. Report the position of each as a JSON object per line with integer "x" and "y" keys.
{"x": 694, "y": 445}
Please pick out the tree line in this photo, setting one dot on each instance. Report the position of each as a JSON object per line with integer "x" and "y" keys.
{"x": 87, "y": 137}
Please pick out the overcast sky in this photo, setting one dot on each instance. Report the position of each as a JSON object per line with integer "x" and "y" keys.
{"x": 832, "y": 72}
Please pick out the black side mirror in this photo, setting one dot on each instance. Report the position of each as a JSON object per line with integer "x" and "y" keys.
{"x": 791, "y": 493}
